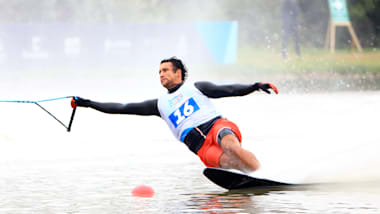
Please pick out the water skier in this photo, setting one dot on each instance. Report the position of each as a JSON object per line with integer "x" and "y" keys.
{"x": 191, "y": 116}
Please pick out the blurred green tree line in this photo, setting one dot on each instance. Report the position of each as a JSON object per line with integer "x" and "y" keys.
{"x": 259, "y": 21}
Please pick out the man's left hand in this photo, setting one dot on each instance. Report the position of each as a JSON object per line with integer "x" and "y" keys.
{"x": 266, "y": 86}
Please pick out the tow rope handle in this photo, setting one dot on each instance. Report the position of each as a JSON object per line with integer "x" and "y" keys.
{"x": 68, "y": 128}
{"x": 71, "y": 119}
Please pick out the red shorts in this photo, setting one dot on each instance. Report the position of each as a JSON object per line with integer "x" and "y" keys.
{"x": 211, "y": 151}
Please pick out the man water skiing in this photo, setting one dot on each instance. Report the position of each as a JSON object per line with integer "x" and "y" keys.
{"x": 193, "y": 119}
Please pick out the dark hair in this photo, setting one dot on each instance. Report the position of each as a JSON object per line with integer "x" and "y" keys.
{"x": 177, "y": 63}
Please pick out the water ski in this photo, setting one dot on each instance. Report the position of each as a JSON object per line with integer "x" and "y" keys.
{"x": 234, "y": 180}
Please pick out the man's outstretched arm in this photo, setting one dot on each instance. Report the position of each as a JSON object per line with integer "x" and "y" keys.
{"x": 146, "y": 108}
{"x": 217, "y": 91}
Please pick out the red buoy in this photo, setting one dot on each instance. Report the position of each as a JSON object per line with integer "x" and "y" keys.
{"x": 143, "y": 191}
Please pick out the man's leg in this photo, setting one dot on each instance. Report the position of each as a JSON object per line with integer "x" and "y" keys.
{"x": 296, "y": 42}
{"x": 235, "y": 157}
{"x": 285, "y": 39}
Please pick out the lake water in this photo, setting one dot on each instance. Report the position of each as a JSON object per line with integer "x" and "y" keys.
{"x": 327, "y": 138}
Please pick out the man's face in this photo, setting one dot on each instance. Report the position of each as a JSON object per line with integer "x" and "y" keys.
{"x": 168, "y": 77}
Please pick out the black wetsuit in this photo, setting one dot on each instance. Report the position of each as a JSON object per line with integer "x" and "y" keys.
{"x": 194, "y": 139}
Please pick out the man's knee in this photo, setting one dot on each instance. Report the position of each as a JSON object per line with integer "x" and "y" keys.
{"x": 230, "y": 143}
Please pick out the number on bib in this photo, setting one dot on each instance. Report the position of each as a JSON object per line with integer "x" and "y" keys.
{"x": 183, "y": 112}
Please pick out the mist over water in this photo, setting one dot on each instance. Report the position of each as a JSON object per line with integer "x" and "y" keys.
{"x": 300, "y": 138}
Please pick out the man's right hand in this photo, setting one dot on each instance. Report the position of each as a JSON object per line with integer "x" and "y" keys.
{"x": 78, "y": 101}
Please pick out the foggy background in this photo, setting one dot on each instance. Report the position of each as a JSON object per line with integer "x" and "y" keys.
{"x": 161, "y": 29}
{"x": 260, "y": 22}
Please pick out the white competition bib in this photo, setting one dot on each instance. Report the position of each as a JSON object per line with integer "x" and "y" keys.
{"x": 185, "y": 109}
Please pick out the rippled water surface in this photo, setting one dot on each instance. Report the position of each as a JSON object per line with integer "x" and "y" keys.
{"x": 329, "y": 139}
